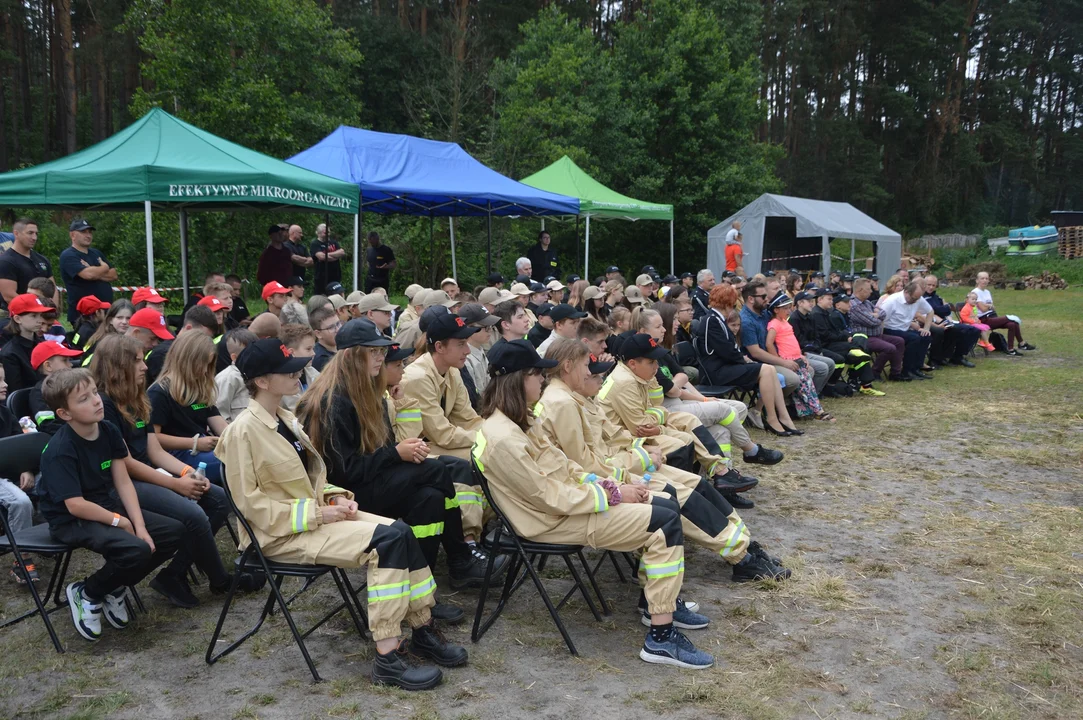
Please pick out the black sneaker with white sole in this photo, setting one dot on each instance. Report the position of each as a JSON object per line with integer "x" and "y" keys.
{"x": 469, "y": 572}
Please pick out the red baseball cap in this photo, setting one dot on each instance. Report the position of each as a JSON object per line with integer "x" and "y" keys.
{"x": 90, "y": 305}
{"x": 151, "y": 319}
{"x": 212, "y": 302}
{"x": 26, "y": 303}
{"x": 274, "y": 288}
{"x": 50, "y": 348}
{"x": 147, "y": 294}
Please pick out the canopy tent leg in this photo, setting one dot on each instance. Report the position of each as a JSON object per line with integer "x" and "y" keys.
{"x": 543, "y": 223}
{"x": 852, "y": 244}
{"x": 184, "y": 250}
{"x": 827, "y": 257}
{"x": 586, "y": 254}
{"x": 150, "y": 242}
{"x": 577, "y": 248}
{"x": 451, "y": 231}
{"x": 358, "y": 226}
{"x": 672, "y": 267}
{"x": 432, "y": 252}
{"x": 489, "y": 242}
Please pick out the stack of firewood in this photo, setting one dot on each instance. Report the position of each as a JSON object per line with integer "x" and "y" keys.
{"x": 1046, "y": 281}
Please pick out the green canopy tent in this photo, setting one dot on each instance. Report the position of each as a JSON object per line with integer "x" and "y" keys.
{"x": 596, "y": 200}
{"x": 162, "y": 163}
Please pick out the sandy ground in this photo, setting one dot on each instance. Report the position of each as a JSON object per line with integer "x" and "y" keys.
{"x": 937, "y": 543}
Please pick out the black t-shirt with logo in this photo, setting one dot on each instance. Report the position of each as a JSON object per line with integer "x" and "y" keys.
{"x": 135, "y": 436}
{"x": 72, "y": 466}
{"x": 285, "y": 432}
{"x": 380, "y": 255}
{"x": 328, "y": 271}
{"x": 176, "y": 419}
{"x": 21, "y": 269}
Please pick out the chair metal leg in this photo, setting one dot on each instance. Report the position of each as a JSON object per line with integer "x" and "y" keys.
{"x": 39, "y": 606}
{"x": 480, "y": 628}
{"x": 553, "y": 611}
{"x": 360, "y": 619}
{"x": 211, "y": 656}
{"x": 593, "y": 583}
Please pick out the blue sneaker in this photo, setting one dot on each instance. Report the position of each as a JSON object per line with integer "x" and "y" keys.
{"x": 678, "y": 650}
{"x": 682, "y": 618}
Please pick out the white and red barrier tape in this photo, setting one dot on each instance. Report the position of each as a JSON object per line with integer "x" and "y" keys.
{"x": 126, "y": 288}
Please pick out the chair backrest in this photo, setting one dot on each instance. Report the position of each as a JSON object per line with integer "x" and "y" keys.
{"x": 19, "y": 403}
{"x": 22, "y": 453}
{"x": 685, "y": 353}
{"x": 252, "y": 542}
{"x": 480, "y": 479}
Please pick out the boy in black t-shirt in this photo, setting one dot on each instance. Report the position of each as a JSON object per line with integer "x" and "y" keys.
{"x": 90, "y": 502}
{"x": 48, "y": 357}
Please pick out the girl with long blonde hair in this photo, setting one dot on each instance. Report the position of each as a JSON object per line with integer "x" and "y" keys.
{"x": 183, "y": 411}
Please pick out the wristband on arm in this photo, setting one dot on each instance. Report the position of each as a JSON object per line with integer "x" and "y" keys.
{"x": 116, "y": 519}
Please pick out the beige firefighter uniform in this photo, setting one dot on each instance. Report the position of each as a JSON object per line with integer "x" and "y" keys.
{"x": 283, "y": 502}
{"x": 448, "y": 423}
{"x": 548, "y": 498}
{"x": 406, "y": 423}
{"x": 720, "y": 416}
{"x": 631, "y": 402}
{"x": 407, "y": 317}
{"x": 562, "y": 417}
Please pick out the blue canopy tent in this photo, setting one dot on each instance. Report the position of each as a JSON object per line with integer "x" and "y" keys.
{"x": 405, "y": 175}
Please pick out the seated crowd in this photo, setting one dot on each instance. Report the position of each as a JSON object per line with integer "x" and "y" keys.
{"x": 606, "y": 414}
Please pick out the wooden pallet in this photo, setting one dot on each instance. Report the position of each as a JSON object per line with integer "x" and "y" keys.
{"x": 1071, "y": 242}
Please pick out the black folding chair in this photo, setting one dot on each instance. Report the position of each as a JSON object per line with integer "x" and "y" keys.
{"x": 253, "y": 559}
{"x": 19, "y": 403}
{"x": 523, "y": 553}
{"x": 715, "y": 391}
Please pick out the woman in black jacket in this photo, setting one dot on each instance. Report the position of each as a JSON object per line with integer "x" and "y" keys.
{"x": 722, "y": 362}
{"x": 394, "y": 480}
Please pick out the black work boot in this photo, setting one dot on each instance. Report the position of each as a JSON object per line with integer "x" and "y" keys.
{"x": 753, "y": 567}
{"x": 764, "y": 456}
{"x": 754, "y": 548}
{"x": 447, "y": 613}
{"x": 738, "y": 501}
{"x": 469, "y": 570}
{"x": 396, "y": 668}
{"x": 428, "y": 642}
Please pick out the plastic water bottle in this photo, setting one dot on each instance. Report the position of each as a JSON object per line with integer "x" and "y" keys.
{"x": 201, "y": 470}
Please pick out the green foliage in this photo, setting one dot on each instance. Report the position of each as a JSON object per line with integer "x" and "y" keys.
{"x": 273, "y": 75}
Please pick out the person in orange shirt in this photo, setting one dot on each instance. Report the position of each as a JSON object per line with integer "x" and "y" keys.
{"x": 969, "y": 315}
{"x": 734, "y": 252}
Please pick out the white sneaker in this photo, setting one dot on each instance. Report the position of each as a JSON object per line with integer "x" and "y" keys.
{"x": 116, "y": 608}
{"x": 86, "y": 615}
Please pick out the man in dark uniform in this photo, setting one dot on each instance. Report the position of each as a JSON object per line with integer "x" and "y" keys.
{"x": 701, "y": 293}
{"x": 543, "y": 258}
{"x": 328, "y": 255}
{"x": 381, "y": 261}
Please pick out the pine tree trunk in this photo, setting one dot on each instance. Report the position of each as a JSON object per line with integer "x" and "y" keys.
{"x": 67, "y": 102}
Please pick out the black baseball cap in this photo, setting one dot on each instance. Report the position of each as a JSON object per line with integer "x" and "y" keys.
{"x": 817, "y": 274}
{"x": 564, "y": 311}
{"x": 79, "y": 225}
{"x": 573, "y": 278}
{"x": 267, "y": 357}
{"x": 728, "y": 274}
{"x": 687, "y": 275}
{"x": 669, "y": 279}
{"x": 544, "y": 309}
{"x": 548, "y": 279}
{"x": 335, "y": 288}
{"x": 296, "y": 280}
{"x": 769, "y": 273}
{"x": 874, "y": 276}
{"x": 524, "y": 279}
{"x": 477, "y": 315}
{"x": 438, "y": 323}
{"x": 511, "y": 356}
{"x": 537, "y": 287}
{"x": 361, "y": 332}
{"x": 641, "y": 345}
{"x": 841, "y": 297}
{"x": 274, "y": 229}
{"x": 795, "y": 271}
{"x": 495, "y": 278}
{"x": 780, "y": 300}
{"x": 804, "y": 296}
{"x": 612, "y": 268}
{"x": 597, "y": 367}
{"x": 396, "y": 352}
{"x": 649, "y": 269}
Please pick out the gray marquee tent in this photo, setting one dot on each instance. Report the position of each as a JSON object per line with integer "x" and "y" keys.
{"x": 783, "y": 232}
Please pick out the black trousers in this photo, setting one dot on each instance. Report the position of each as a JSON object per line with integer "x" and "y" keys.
{"x": 952, "y": 343}
{"x": 201, "y": 522}
{"x": 127, "y": 558}
{"x": 416, "y": 493}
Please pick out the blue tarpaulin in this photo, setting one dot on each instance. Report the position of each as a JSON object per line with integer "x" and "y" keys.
{"x": 400, "y": 174}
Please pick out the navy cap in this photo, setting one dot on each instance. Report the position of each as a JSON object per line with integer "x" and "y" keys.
{"x": 548, "y": 279}
{"x": 268, "y": 357}
{"x": 728, "y": 274}
{"x": 495, "y": 278}
{"x": 524, "y": 279}
{"x": 274, "y": 229}
{"x": 573, "y": 279}
{"x": 669, "y": 279}
{"x": 817, "y": 274}
{"x": 597, "y": 367}
{"x": 79, "y": 225}
{"x": 780, "y": 300}
{"x": 612, "y": 268}
{"x": 874, "y": 276}
{"x": 544, "y": 309}
{"x": 443, "y": 325}
{"x": 537, "y": 287}
{"x": 769, "y": 273}
{"x": 795, "y": 271}
{"x": 649, "y": 269}
{"x": 507, "y": 357}
{"x": 398, "y": 352}
{"x": 841, "y": 298}
{"x": 335, "y": 288}
{"x": 687, "y": 275}
{"x": 296, "y": 280}
{"x": 804, "y": 296}
{"x": 564, "y": 311}
{"x": 641, "y": 345}
{"x": 361, "y": 332}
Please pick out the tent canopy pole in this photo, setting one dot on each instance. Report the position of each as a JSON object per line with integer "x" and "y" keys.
{"x": 489, "y": 241}
{"x": 586, "y": 254}
{"x": 150, "y": 242}
{"x": 827, "y": 256}
{"x": 184, "y": 250}
{"x": 852, "y": 244}
{"x": 356, "y": 243}
{"x": 432, "y": 252}
{"x": 451, "y": 231}
{"x": 672, "y": 267}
